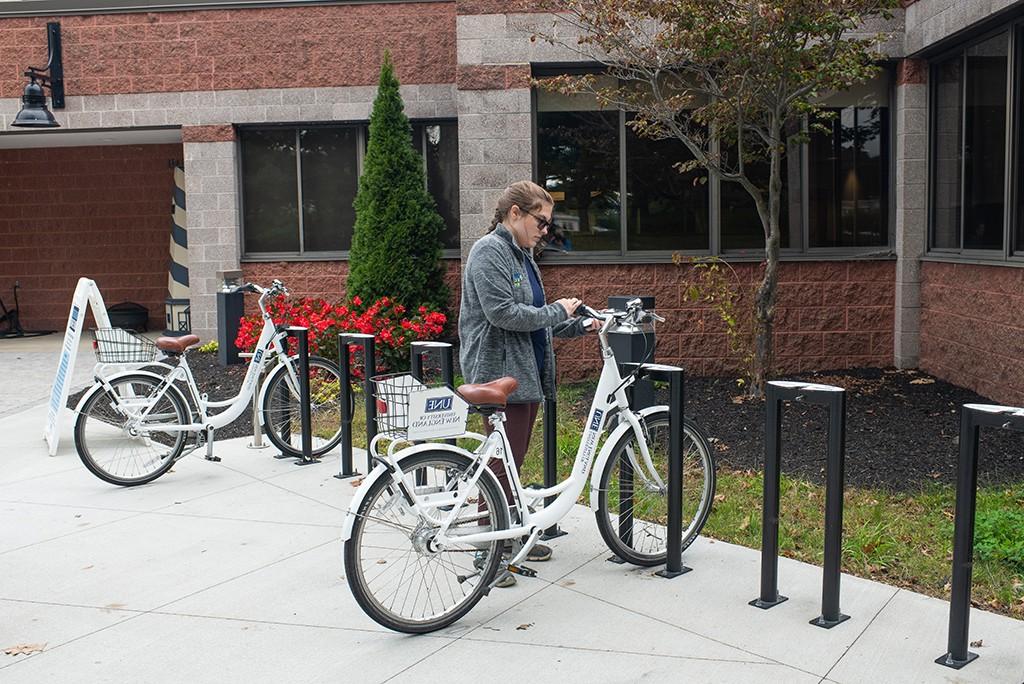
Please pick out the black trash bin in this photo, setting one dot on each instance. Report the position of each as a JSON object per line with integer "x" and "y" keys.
{"x": 129, "y": 316}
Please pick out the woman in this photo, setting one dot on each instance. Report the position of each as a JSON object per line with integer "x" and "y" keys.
{"x": 505, "y": 327}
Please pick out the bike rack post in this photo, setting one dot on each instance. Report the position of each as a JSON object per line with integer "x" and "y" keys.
{"x": 305, "y": 420}
{"x": 972, "y": 418}
{"x": 345, "y": 343}
{"x": 675, "y": 377}
{"x": 834, "y": 398}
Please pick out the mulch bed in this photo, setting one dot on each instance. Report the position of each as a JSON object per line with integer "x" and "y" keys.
{"x": 902, "y": 426}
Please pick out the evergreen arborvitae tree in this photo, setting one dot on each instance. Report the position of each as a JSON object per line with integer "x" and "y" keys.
{"x": 396, "y": 243}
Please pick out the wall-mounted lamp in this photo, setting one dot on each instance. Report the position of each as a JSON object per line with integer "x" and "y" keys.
{"x": 34, "y": 113}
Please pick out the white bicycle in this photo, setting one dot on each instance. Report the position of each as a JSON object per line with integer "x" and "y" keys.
{"x": 132, "y": 426}
{"x": 430, "y": 530}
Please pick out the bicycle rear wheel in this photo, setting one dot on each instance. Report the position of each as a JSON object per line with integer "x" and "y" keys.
{"x": 396, "y": 576}
{"x": 119, "y": 446}
{"x": 282, "y": 420}
{"x": 632, "y": 510}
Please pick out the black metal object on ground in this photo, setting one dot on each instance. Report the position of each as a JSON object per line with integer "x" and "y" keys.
{"x": 305, "y": 420}
{"x": 230, "y": 309}
{"x": 972, "y": 418}
{"x": 346, "y": 341}
{"x": 835, "y": 399}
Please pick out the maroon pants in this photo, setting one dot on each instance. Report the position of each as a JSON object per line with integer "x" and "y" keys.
{"x": 519, "y": 420}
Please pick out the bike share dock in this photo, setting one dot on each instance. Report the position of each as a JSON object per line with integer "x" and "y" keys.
{"x": 231, "y": 571}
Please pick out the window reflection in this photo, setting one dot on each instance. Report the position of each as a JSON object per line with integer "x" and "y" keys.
{"x": 985, "y": 144}
{"x": 946, "y": 122}
{"x": 578, "y": 163}
{"x": 848, "y": 179}
{"x": 329, "y": 183}
{"x": 268, "y": 187}
{"x": 741, "y": 224}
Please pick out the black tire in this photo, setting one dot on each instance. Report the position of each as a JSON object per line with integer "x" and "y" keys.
{"x": 644, "y": 542}
{"x": 282, "y": 421}
{"x": 381, "y": 547}
{"x": 113, "y": 449}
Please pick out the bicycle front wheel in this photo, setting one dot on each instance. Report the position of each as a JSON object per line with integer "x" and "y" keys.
{"x": 396, "y": 574}
{"x": 632, "y": 511}
{"x": 119, "y": 433}
{"x": 282, "y": 419}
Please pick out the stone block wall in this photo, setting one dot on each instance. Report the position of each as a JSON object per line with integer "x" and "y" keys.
{"x": 972, "y": 328}
{"x": 97, "y": 212}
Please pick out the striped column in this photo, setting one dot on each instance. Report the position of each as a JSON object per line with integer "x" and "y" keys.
{"x": 177, "y": 303}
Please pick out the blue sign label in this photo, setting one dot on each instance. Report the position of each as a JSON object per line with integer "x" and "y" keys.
{"x": 595, "y": 423}
{"x": 437, "y": 404}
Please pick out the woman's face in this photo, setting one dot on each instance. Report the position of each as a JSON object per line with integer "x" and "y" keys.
{"x": 529, "y": 226}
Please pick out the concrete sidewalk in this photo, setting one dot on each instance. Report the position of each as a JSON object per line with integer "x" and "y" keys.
{"x": 231, "y": 572}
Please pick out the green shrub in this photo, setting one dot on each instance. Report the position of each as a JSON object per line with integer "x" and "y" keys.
{"x": 396, "y": 243}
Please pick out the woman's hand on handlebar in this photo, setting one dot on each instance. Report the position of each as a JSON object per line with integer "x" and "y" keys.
{"x": 570, "y": 304}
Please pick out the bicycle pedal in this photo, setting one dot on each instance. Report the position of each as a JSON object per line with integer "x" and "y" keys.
{"x": 522, "y": 570}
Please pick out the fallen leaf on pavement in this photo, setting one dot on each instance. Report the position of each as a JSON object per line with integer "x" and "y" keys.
{"x": 528, "y": 625}
{"x": 24, "y": 649}
{"x": 358, "y": 481}
{"x": 977, "y": 644}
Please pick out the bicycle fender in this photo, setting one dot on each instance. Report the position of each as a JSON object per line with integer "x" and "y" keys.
{"x": 96, "y": 387}
{"x": 375, "y": 474}
{"x": 606, "y": 452}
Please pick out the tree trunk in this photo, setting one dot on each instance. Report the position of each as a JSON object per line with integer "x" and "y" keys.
{"x": 764, "y": 301}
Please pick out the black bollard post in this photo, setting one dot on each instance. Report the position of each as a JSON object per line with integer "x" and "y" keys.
{"x": 835, "y": 399}
{"x": 674, "y": 553}
{"x": 972, "y": 418}
{"x": 345, "y": 469}
{"x": 305, "y": 418}
{"x": 551, "y": 460}
{"x": 369, "y": 368}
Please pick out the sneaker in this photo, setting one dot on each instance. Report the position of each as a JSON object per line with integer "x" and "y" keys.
{"x": 539, "y": 553}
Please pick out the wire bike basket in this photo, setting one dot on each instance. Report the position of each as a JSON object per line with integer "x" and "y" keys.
{"x": 392, "y": 394}
{"x": 116, "y": 345}
{"x": 407, "y": 409}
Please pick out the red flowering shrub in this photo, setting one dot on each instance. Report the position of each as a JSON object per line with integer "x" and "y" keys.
{"x": 389, "y": 322}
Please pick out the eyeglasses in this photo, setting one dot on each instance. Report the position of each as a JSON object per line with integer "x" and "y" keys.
{"x": 542, "y": 222}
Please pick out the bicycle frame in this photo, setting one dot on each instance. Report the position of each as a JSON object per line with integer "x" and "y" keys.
{"x": 609, "y": 395}
{"x": 268, "y": 346}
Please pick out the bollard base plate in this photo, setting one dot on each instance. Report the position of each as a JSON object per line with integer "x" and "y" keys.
{"x": 281, "y": 457}
{"x": 304, "y": 462}
{"x": 765, "y": 605}
{"x": 616, "y": 560}
{"x": 949, "y": 661}
{"x": 670, "y": 574}
{"x": 250, "y": 445}
{"x": 820, "y": 621}
{"x": 344, "y": 476}
{"x": 553, "y": 533}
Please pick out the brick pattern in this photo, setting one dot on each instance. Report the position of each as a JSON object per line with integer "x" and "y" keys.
{"x": 98, "y": 212}
{"x": 911, "y": 72}
{"x": 830, "y": 315}
{"x": 325, "y": 45}
{"x": 506, "y": 6}
{"x": 221, "y": 133}
{"x": 493, "y": 77}
{"x": 972, "y": 328}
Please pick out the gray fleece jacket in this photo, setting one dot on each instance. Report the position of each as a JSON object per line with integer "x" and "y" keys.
{"x": 497, "y": 316}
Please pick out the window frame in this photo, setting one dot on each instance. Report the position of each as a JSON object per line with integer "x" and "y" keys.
{"x": 799, "y": 253}
{"x": 362, "y": 131}
{"x": 1010, "y": 253}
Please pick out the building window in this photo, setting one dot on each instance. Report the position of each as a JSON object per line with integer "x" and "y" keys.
{"x": 299, "y": 185}
{"x": 969, "y": 147}
{"x": 620, "y": 194}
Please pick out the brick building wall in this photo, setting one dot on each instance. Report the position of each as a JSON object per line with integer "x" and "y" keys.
{"x": 972, "y": 328}
{"x": 98, "y": 212}
{"x": 830, "y": 314}
{"x": 313, "y": 46}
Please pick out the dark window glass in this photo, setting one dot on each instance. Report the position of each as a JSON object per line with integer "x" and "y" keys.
{"x": 848, "y": 179}
{"x": 741, "y": 224}
{"x": 442, "y": 155}
{"x": 329, "y": 182}
{"x": 578, "y": 163}
{"x": 947, "y": 119}
{"x": 985, "y": 144}
{"x": 665, "y": 209}
{"x": 269, "y": 191}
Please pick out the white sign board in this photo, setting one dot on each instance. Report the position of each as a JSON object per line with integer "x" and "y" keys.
{"x": 435, "y": 413}
{"x": 86, "y": 293}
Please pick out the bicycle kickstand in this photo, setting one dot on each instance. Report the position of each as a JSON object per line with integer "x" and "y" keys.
{"x": 209, "y": 446}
